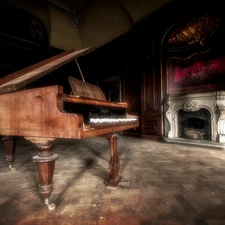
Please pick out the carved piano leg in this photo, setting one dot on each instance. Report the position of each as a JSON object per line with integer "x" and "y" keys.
{"x": 45, "y": 161}
{"x": 114, "y": 164}
{"x": 10, "y": 144}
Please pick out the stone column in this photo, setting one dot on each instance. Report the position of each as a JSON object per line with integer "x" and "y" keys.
{"x": 221, "y": 121}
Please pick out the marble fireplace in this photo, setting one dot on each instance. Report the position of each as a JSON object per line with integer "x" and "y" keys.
{"x": 196, "y": 118}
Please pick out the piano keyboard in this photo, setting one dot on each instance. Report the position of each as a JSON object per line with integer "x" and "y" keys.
{"x": 111, "y": 120}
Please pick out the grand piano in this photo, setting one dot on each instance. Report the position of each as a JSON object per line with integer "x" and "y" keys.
{"x": 43, "y": 114}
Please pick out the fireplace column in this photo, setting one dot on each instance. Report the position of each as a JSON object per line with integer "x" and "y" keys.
{"x": 221, "y": 121}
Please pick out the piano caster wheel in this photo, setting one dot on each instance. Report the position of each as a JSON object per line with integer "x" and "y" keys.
{"x": 12, "y": 167}
{"x": 51, "y": 206}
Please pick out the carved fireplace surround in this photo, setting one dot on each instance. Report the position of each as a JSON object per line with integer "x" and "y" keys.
{"x": 208, "y": 106}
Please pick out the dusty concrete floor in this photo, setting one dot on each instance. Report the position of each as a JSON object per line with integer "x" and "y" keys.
{"x": 163, "y": 184}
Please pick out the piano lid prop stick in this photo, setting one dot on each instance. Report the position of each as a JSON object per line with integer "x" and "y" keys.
{"x": 80, "y": 70}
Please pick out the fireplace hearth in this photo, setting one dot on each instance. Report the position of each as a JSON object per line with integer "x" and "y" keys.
{"x": 196, "y": 116}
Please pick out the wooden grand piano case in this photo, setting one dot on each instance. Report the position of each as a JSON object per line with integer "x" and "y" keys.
{"x": 39, "y": 115}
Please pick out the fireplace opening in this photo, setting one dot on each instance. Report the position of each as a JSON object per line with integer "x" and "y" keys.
{"x": 194, "y": 125}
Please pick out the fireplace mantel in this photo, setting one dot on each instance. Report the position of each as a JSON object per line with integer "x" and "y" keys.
{"x": 214, "y": 102}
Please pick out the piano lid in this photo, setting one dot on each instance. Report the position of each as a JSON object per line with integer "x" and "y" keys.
{"x": 21, "y": 78}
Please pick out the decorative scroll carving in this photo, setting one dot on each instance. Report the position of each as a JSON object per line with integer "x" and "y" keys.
{"x": 167, "y": 105}
{"x": 196, "y": 30}
{"x": 190, "y": 106}
{"x": 84, "y": 89}
{"x": 76, "y": 17}
{"x": 76, "y": 20}
{"x": 202, "y": 114}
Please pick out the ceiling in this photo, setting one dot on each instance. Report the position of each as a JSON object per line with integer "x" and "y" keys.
{"x": 101, "y": 21}
{"x": 84, "y": 23}
{"x": 136, "y": 10}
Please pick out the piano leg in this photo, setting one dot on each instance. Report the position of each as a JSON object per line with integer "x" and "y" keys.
{"x": 114, "y": 164}
{"x": 9, "y": 144}
{"x": 45, "y": 161}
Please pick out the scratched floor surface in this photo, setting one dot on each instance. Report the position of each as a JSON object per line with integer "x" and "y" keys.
{"x": 163, "y": 184}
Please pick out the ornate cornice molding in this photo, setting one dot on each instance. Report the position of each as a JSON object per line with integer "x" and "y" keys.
{"x": 196, "y": 30}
